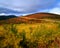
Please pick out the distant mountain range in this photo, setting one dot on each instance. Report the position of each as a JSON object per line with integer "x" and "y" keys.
{"x": 4, "y": 17}
{"x": 33, "y": 18}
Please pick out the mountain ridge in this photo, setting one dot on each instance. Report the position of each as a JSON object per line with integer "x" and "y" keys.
{"x": 5, "y": 17}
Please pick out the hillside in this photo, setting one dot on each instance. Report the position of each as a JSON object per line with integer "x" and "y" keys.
{"x": 44, "y": 15}
{"x": 5, "y": 17}
{"x": 33, "y": 18}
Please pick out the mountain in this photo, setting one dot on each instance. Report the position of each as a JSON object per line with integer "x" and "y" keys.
{"x": 5, "y": 17}
{"x": 33, "y": 18}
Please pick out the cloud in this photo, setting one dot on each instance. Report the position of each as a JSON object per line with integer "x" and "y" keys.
{"x": 55, "y": 10}
{"x": 12, "y": 14}
{"x": 5, "y": 14}
{"x": 2, "y": 14}
{"x": 28, "y": 6}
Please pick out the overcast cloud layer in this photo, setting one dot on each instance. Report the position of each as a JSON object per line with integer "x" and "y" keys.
{"x": 30, "y": 6}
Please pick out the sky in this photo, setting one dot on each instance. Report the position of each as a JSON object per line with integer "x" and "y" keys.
{"x": 24, "y": 7}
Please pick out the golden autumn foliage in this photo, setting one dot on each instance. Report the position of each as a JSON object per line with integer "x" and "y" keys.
{"x": 38, "y": 35}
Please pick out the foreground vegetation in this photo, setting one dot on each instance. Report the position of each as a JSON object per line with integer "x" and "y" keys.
{"x": 39, "y": 35}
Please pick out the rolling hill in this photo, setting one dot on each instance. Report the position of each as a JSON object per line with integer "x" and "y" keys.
{"x": 44, "y": 15}
{"x": 33, "y": 18}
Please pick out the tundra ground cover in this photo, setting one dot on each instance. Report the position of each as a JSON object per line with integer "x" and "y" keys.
{"x": 38, "y": 35}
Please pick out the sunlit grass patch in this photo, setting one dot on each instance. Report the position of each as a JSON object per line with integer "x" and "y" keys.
{"x": 38, "y": 35}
